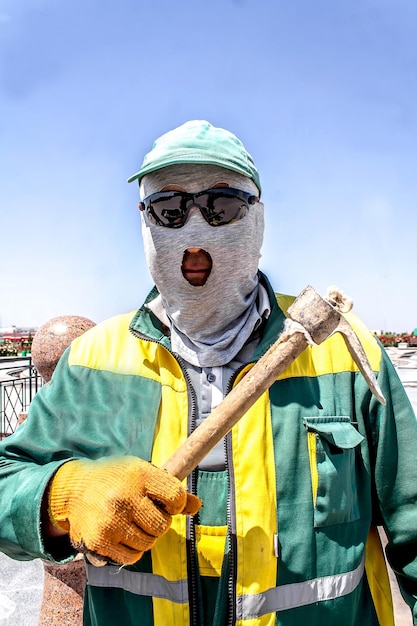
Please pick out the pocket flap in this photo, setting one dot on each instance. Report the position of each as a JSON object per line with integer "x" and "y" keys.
{"x": 211, "y": 545}
{"x": 338, "y": 430}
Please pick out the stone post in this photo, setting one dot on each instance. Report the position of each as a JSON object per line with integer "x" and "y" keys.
{"x": 63, "y": 593}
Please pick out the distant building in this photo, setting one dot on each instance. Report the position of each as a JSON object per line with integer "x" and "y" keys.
{"x": 15, "y": 340}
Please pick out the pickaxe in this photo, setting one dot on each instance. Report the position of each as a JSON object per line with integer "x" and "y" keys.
{"x": 311, "y": 319}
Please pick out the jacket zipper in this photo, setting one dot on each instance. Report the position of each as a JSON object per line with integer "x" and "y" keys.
{"x": 231, "y": 533}
{"x": 191, "y": 487}
{"x": 231, "y": 517}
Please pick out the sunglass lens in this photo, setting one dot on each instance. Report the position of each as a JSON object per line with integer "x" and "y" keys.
{"x": 167, "y": 212}
{"x": 224, "y": 209}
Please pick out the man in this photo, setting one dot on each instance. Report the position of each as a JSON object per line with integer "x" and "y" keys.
{"x": 290, "y": 500}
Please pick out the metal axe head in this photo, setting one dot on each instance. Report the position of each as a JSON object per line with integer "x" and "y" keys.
{"x": 321, "y": 319}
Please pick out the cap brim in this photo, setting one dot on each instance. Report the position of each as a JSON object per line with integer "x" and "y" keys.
{"x": 134, "y": 177}
{"x": 197, "y": 161}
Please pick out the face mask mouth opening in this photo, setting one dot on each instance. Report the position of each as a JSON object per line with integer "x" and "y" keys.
{"x": 196, "y": 266}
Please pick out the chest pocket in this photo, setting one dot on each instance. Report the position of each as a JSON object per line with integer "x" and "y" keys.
{"x": 332, "y": 445}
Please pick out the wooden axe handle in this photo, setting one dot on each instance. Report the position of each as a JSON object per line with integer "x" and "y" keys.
{"x": 222, "y": 419}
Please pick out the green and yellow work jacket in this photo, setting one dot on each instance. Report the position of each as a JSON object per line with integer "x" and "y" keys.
{"x": 287, "y": 533}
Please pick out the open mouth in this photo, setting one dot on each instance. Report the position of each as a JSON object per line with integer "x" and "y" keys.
{"x": 196, "y": 266}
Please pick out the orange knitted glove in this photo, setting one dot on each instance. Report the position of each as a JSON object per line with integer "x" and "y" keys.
{"x": 116, "y": 507}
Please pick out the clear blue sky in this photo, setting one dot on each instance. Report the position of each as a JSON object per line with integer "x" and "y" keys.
{"x": 322, "y": 93}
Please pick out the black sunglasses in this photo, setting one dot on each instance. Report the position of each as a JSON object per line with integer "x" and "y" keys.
{"x": 218, "y": 206}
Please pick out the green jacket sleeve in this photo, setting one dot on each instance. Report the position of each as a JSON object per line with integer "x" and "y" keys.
{"x": 394, "y": 434}
{"x": 28, "y": 460}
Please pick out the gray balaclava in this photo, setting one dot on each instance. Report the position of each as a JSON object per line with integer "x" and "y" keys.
{"x": 211, "y": 323}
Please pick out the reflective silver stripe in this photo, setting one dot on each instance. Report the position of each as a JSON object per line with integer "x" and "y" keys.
{"x": 298, "y": 594}
{"x": 140, "y": 583}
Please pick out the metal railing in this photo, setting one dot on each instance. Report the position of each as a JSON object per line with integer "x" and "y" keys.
{"x": 19, "y": 381}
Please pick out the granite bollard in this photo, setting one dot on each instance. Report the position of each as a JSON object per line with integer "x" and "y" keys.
{"x": 53, "y": 338}
{"x": 63, "y": 592}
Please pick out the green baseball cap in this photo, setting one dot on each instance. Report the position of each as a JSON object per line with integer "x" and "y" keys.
{"x": 197, "y": 141}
